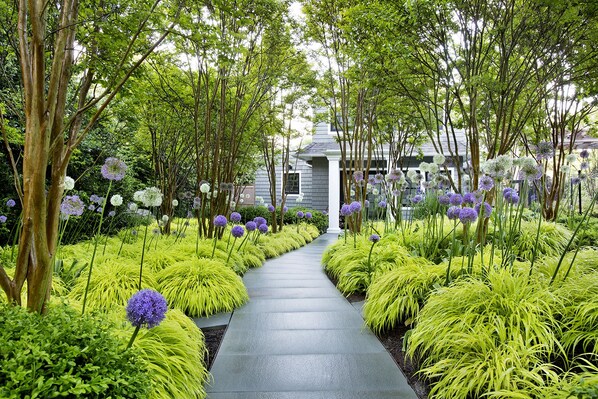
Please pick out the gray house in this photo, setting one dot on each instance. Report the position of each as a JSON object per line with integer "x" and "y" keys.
{"x": 317, "y": 171}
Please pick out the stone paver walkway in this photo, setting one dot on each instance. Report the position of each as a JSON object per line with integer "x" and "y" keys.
{"x": 298, "y": 338}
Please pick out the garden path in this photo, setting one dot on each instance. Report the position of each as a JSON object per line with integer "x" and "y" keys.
{"x": 298, "y": 338}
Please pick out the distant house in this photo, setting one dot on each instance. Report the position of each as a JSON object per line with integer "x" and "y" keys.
{"x": 316, "y": 172}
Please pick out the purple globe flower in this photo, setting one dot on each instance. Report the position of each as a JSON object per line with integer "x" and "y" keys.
{"x": 456, "y": 199}
{"x": 358, "y": 176}
{"x": 99, "y": 209}
{"x": 72, "y": 206}
{"x": 220, "y": 221}
{"x": 487, "y": 209}
{"x": 513, "y": 198}
{"x": 486, "y": 183}
{"x": 146, "y": 308}
{"x": 235, "y": 217}
{"x": 114, "y": 169}
{"x": 325, "y": 213}
{"x": 453, "y": 212}
{"x": 355, "y": 206}
{"x": 263, "y": 228}
{"x": 346, "y": 210}
{"x": 507, "y": 191}
{"x": 10, "y": 203}
{"x": 111, "y": 214}
{"x": 237, "y": 231}
{"x": 300, "y": 214}
{"x": 250, "y": 226}
{"x": 584, "y": 165}
{"x": 196, "y": 203}
{"x": 468, "y": 215}
{"x": 378, "y": 178}
{"x": 444, "y": 200}
{"x": 308, "y": 215}
{"x": 584, "y": 154}
{"x": 575, "y": 181}
{"x": 3, "y": 219}
{"x": 285, "y": 209}
{"x": 469, "y": 198}
{"x": 382, "y": 204}
{"x": 366, "y": 203}
{"x": 260, "y": 221}
{"x": 271, "y": 208}
{"x": 374, "y": 238}
{"x": 417, "y": 199}
{"x": 95, "y": 198}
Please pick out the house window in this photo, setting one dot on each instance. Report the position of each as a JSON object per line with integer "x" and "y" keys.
{"x": 293, "y": 186}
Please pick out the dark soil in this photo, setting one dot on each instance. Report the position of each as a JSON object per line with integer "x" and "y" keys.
{"x": 393, "y": 342}
{"x": 213, "y": 338}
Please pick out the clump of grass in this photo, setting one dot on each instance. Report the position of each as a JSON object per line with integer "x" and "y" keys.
{"x": 112, "y": 284}
{"x": 476, "y": 337}
{"x": 202, "y": 287}
{"x": 554, "y": 239}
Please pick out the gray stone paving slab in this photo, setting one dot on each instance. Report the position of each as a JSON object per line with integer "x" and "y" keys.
{"x": 304, "y": 342}
{"x": 217, "y": 320}
{"x": 334, "y": 372}
{"x": 296, "y": 320}
{"x": 299, "y": 338}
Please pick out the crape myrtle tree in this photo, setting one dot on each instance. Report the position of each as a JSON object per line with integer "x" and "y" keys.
{"x": 346, "y": 91}
{"x": 234, "y": 51}
{"x": 74, "y": 57}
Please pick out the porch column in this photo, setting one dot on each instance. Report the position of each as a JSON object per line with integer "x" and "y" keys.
{"x": 334, "y": 195}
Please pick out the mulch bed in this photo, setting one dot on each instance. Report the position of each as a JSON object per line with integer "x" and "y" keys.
{"x": 213, "y": 338}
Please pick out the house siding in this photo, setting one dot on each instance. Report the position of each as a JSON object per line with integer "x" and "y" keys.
{"x": 262, "y": 185}
{"x": 319, "y": 190}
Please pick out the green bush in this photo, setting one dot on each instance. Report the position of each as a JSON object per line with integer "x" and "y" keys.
{"x": 202, "y": 287}
{"x": 64, "y": 354}
{"x": 251, "y": 212}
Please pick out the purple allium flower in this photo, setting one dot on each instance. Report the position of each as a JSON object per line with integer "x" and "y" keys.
{"x": 235, "y": 217}
{"x": 371, "y": 180}
{"x": 3, "y": 219}
{"x": 72, "y": 206}
{"x": 285, "y": 209}
{"x": 478, "y": 196}
{"x": 91, "y": 207}
{"x": 544, "y": 150}
{"x": 99, "y": 209}
{"x": 196, "y": 203}
{"x": 300, "y": 214}
{"x": 453, "y": 212}
{"x": 358, "y": 176}
{"x": 250, "y": 226}
{"x": 220, "y": 221}
{"x": 95, "y": 198}
{"x": 575, "y": 181}
{"x": 486, "y": 183}
{"x": 382, "y": 204}
{"x": 325, "y": 213}
{"x": 378, "y": 178}
{"x": 396, "y": 193}
{"x": 111, "y": 214}
{"x": 487, "y": 209}
{"x": 417, "y": 199}
{"x": 513, "y": 198}
{"x": 444, "y": 199}
{"x": 263, "y": 228}
{"x": 355, "y": 206}
{"x": 507, "y": 191}
{"x": 346, "y": 210}
{"x": 10, "y": 203}
{"x": 584, "y": 165}
{"x": 469, "y": 198}
{"x": 584, "y": 154}
{"x": 237, "y": 231}
{"x": 468, "y": 215}
{"x": 271, "y": 208}
{"x": 366, "y": 203}
{"x": 374, "y": 238}
{"x": 308, "y": 215}
{"x": 114, "y": 169}
{"x": 146, "y": 308}
{"x": 259, "y": 221}
{"x": 456, "y": 199}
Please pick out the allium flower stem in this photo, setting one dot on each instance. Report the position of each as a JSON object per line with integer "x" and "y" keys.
{"x": 231, "y": 250}
{"x": 142, "y": 256}
{"x": 133, "y": 337}
{"x": 95, "y": 248}
{"x": 451, "y": 255}
{"x": 215, "y": 241}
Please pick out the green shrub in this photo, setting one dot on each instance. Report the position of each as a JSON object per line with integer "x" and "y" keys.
{"x": 202, "y": 287}
{"x": 554, "y": 239}
{"x": 112, "y": 283}
{"x": 476, "y": 337}
{"x": 251, "y": 212}
{"x": 65, "y": 354}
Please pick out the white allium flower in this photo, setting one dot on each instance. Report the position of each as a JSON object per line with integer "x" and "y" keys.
{"x": 69, "y": 183}
{"x": 259, "y": 199}
{"x": 411, "y": 174}
{"x": 215, "y": 193}
{"x": 175, "y": 203}
{"x": 241, "y": 200}
{"x": 152, "y": 197}
{"x": 424, "y": 167}
{"x": 204, "y": 188}
{"x": 571, "y": 158}
{"x": 505, "y": 162}
{"x": 352, "y": 193}
{"x": 165, "y": 218}
{"x": 433, "y": 168}
{"x": 233, "y": 204}
{"x": 375, "y": 191}
{"x": 138, "y": 195}
{"x": 439, "y": 159}
{"x": 566, "y": 169}
{"x": 299, "y": 199}
{"x": 133, "y": 207}
{"x": 116, "y": 200}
